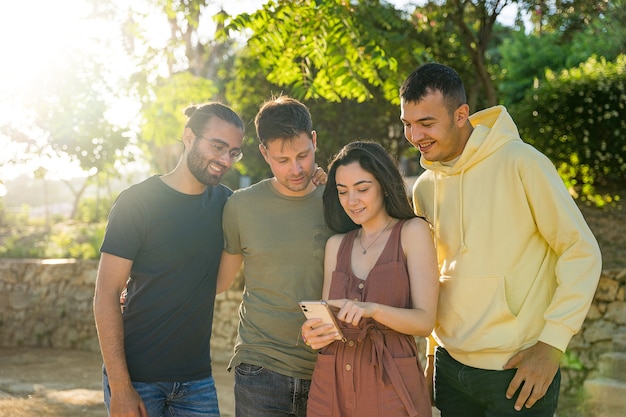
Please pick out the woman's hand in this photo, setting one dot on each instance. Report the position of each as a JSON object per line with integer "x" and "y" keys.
{"x": 315, "y": 335}
{"x": 353, "y": 311}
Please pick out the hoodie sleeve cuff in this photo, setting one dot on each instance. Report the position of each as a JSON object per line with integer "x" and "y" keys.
{"x": 556, "y": 335}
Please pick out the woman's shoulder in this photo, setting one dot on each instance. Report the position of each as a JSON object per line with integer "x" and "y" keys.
{"x": 336, "y": 239}
{"x": 415, "y": 226}
{"x": 417, "y": 222}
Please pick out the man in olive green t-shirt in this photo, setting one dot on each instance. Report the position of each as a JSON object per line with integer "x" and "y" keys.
{"x": 276, "y": 228}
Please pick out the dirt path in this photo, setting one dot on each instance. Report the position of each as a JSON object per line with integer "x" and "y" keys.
{"x": 67, "y": 383}
{"x": 36, "y": 382}
{"x": 64, "y": 383}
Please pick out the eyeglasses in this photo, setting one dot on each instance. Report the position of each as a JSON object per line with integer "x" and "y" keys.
{"x": 219, "y": 148}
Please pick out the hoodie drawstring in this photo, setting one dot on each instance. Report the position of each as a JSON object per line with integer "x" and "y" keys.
{"x": 463, "y": 245}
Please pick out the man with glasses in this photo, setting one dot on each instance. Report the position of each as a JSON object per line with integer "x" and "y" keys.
{"x": 276, "y": 228}
{"x": 162, "y": 246}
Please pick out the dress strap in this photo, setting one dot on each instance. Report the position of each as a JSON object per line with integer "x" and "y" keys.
{"x": 345, "y": 251}
{"x": 393, "y": 248}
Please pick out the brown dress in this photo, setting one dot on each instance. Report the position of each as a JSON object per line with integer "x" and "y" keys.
{"x": 376, "y": 371}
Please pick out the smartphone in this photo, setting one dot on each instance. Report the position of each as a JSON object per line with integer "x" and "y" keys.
{"x": 319, "y": 309}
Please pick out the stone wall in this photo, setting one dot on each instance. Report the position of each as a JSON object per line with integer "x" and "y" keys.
{"x": 47, "y": 303}
{"x": 603, "y": 329}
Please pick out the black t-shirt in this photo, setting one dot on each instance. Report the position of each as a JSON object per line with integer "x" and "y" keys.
{"x": 175, "y": 241}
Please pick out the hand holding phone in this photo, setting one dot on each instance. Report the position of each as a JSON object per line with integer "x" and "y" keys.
{"x": 319, "y": 309}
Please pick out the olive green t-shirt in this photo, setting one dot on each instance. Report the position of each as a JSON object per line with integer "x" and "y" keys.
{"x": 282, "y": 241}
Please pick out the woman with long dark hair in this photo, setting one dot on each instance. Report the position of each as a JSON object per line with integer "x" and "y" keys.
{"x": 380, "y": 276}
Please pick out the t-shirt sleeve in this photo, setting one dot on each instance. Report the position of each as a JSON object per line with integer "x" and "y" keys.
{"x": 125, "y": 229}
{"x": 230, "y": 225}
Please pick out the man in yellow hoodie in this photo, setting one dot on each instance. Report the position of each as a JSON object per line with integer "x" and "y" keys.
{"x": 518, "y": 263}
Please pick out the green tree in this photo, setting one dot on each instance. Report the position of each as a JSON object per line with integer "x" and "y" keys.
{"x": 475, "y": 22}
{"x": 447, "y": 44}
{"x": 329, "y": 50}
{"x": 566, "y": 16}
{"x": 336, "y": 123}
{"x": 526, "y": 57}
{"x": 188, "y": 49}
{"x": 163, "y": 117}
{"x": 603, "y": 36}
{"x": 188, "y": 70}
{"x": 332, "y": 50}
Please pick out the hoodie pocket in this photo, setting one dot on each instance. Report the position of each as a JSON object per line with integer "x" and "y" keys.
{"x": 473, "y": 315}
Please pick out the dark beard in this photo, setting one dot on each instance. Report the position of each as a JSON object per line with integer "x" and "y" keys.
{"x": 199, "y": 169}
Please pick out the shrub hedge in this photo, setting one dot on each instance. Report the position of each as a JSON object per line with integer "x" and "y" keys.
{"x": 577, "y": 118}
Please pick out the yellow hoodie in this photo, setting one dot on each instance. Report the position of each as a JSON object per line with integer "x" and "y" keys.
{"x": 518, "y": 262}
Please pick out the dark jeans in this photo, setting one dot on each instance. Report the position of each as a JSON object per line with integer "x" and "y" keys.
{"x": 463, "y": 391}
{"x": 260, "y": 392}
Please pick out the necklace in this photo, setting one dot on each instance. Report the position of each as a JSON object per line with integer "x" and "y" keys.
{"x": 375, "y": 239}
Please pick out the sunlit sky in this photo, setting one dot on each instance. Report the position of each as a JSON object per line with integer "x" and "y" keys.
{"x": 33, "y": 36}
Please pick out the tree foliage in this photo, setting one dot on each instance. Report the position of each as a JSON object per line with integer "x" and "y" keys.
{"x": 345, "y": 60}
{"x": 475, "y": 22}
{"x": 602, "y": 36}
{"x": 188, "y": 70}
{"x": 347, "y": 53}
{"x": 164, "y": 118}
{"x": 446, "y": 43}
{"x": 340, "y": 50}
{"x": 336, "y": 123}
{"x": 569, "y": 17}
{"x": 526, "y": 57}
{"x": 332, "y": 50}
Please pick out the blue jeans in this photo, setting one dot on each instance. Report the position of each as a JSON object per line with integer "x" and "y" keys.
{"x": 260, "y": 392}
{"x": 463, "y": 391}
{"x": 173, "y": 399}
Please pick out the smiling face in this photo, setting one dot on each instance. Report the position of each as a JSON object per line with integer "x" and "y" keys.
{"x": 204, "y": 162}
{"x": 440, "y": 135}
{"x": 292, "y": 162}
{"x": 360, "y": 194}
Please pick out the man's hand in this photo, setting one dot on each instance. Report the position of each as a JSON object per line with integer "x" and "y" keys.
{"x": 319, "y": 176}
{"x": 127, "y": 403}
{"x": 536, "y": 368}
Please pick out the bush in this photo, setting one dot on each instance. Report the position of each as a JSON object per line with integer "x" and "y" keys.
{"x": 577, "y": 119}
{"x": 75, "y": 240}
{"x": 94, "y": 210}
{"x": 23, "y": 237}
